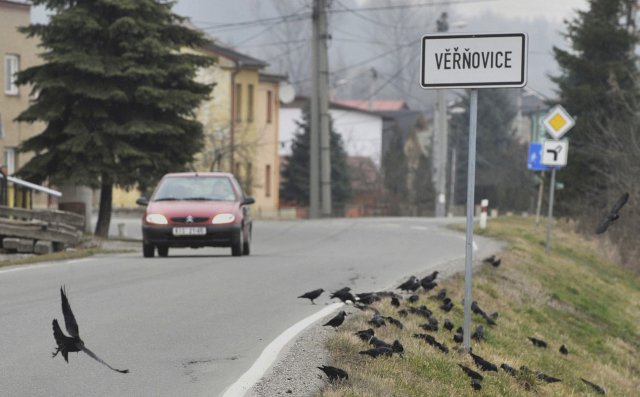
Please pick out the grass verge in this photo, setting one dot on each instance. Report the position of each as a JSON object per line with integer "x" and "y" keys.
{"x": 573, "y": 297}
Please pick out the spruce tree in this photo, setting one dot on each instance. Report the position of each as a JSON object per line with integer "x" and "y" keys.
{"x": 501, "y": 169}
{"x": 395, "y": 168}
{"x": 598, "y": 81}
{"x": 295, "y": 175}
{"x": 116, "y": 94}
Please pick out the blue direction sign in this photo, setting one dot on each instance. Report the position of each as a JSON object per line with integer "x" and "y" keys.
{"x": 534, "y": 160}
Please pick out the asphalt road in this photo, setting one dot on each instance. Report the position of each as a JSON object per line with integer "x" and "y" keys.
{"x": 192, "y": 323}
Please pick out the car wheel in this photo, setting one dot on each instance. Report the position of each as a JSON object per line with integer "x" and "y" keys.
{"x": 246, "y": 246}
{"x": 163, "y": 251}
{"x": 236, "y": 244}
{"x": 148, "y": 250}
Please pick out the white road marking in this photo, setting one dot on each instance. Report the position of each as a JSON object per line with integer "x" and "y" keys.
{"x": 420, "y": 227}
{"x": 43, "y": 265}
{"x": 270, "y": 353}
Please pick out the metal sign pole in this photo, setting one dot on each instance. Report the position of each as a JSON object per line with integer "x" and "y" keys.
{"x": 552, "y": 188}
{"x": 471, "y": 182}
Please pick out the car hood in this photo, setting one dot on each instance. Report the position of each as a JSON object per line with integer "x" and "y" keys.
{"x": 193, "y": 208}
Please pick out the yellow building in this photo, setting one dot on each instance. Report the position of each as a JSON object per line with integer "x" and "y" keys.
{"x": 240, "y": 123}
{"x": 18, "y": 53}
{"x": 266, "y": 181}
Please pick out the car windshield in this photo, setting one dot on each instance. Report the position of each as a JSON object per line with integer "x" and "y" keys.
{"x": 201, "y": 188}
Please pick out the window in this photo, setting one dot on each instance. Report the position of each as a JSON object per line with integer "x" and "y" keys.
{"x": 11, "y": 67}
{"x": 10, "y": 160}
{"x": 269, "y": 107}
{"x": 267, "y": 181}
{"x": 238, "y": 97}
{"x": 250, "y": 107}
{"x": 1, "y": 127}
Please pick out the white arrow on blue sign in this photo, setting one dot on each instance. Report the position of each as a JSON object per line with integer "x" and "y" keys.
{"x": 534, "y": 161}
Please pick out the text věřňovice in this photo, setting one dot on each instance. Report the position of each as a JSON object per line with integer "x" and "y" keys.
{"x": 467, "y": 59}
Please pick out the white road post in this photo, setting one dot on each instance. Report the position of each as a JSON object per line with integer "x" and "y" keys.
{"x": 484, "y": 208}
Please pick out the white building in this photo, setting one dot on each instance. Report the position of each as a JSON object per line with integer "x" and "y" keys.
{"x": 361, "y": 130}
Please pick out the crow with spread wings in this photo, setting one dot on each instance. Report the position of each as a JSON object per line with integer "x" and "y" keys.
{"x": 73, "y": 343}
{"x": 613, "y": 215}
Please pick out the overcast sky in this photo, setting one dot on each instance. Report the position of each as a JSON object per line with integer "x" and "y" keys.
{"x": 541, "y": 19}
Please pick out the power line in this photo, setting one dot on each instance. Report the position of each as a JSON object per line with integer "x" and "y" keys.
{"x": 296, "y": 16}
{"x": 414, "y": 5}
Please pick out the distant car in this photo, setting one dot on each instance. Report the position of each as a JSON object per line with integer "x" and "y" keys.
{"x": 196, "y": 209}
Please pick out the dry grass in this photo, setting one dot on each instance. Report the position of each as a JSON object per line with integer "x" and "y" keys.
{"x": 573, "y": 297}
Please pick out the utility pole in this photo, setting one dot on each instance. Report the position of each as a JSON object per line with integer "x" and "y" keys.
{"x": 452, "y": 180}
{"x": 440, "y": 141}
{"x": 314, "y": 144}
{"x": 320, "y": 145}
{"x": 323, "y": 96}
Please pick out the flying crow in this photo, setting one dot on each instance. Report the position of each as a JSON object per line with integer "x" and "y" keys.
{"x": 613, "y": 215}
{"x": 72, "y": 344}
{"x": 311, "y": 295}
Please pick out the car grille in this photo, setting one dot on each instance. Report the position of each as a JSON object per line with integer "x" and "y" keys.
{"x": 196, "y": 219}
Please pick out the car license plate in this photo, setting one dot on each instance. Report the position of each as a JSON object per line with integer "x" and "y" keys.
{"x": 189, "y": 231}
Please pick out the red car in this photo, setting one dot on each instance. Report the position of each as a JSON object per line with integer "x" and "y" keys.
{"x": 196, "y": 209}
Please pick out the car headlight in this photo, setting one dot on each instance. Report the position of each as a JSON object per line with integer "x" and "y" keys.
{"x": 223, "y": 218}
{"x": 157, "y": 219}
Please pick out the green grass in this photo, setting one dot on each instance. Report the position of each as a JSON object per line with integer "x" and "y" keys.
{"x": 573, "y": 297}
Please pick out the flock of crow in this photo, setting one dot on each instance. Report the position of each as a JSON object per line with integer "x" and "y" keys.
{"x": 73, "y": 343}
{"x": 411, "y": 287}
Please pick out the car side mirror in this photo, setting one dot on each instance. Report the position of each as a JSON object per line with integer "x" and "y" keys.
{"x": 248, "y": 200}
{"x": 142, "y": 201}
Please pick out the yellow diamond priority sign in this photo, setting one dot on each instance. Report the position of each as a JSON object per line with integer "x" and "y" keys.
{"x": 558, "y": 122}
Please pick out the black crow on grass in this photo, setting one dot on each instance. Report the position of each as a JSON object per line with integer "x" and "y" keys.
{"x": 493, "y": 261}
{"x": 471, "y": 373}
{"x": 448, "y": 325}
{"x": 563, "y": 350}
{"x": 595, "y": 387}
{"x": 378, "y": 351}
{"x": 73, "y": 343}
{"x": 365, "y": 334}
{"x": 337, "y": 320}
{"x": 483, "y": 364}
{"x": 508, "y": 369}
{"x": 411, "y": 284}
{"x": 333, "y": 373}
{"x": 537, "y": 342}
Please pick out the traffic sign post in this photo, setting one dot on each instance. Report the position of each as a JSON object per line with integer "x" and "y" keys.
{"x": 473, "y": 61}
{"x": 554, "y": 154}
